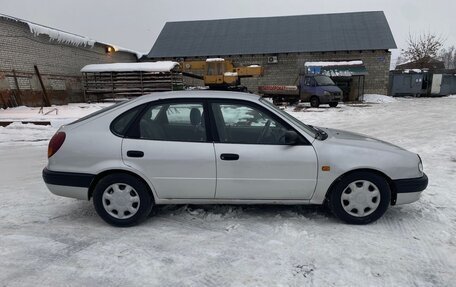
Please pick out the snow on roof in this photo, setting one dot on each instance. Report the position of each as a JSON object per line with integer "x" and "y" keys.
{"x": 60, "y": 36}
{"x": 215, "y": 60}
{"x": 407, "y": 71}
{"x": 332, "y": 64}
{"x": 122, "y": 49}
{"x": 66, "y": 37}
{"x": 157, "y": 67}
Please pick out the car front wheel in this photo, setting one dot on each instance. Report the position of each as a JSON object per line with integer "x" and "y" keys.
{"x": 314, "y": 102}
{"x": 122, "y": 200}
{"x": 333, "y": 104}
{"x": 360, "y": 198}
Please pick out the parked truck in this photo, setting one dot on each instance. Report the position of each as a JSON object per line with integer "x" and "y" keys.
{"x": 316, "y": 89}
{"x": 220, "y": 74}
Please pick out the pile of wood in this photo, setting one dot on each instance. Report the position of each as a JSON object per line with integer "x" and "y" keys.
{"x": 130, "y": 80}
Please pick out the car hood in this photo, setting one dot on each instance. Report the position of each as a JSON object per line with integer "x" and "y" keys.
{"x": 355, "y": 139}
{"x": 331, "y": 89}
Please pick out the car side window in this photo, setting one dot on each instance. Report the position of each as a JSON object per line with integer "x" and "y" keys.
{"x": 173, "y": 122}
{"x": 307, "y": 81}
{"x": 121, "y": 123}
{"x": 244, "y": 124}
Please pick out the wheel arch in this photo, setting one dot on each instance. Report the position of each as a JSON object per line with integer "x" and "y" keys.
{"x": 105, "y": 173}
{"x": 371, "y": 170}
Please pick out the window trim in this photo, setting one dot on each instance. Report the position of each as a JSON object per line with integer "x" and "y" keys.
{"x": 134, "y": 125}
{"x": 303, "y": 140}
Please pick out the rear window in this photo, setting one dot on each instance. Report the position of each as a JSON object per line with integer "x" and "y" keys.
{"x": 120, "y": 125}
{"x": 103, "y": 110}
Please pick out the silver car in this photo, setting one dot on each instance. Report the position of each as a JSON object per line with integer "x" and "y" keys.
{"x": 206, "y": 147}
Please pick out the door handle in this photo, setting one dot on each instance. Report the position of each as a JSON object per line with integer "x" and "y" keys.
{"x": 135, "y": 153}
{"x": 229, "y": 156}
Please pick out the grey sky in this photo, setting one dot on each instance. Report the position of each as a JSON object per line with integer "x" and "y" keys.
{"x": 136, "y": 24}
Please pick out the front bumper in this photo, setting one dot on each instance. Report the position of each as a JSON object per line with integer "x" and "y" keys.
{"x": 68, "y": 184}
{"x": 326, "y": 99}
{"x": 409, "y": 190}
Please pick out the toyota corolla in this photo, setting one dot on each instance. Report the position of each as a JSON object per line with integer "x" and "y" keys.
{"x": 206, "y": 147}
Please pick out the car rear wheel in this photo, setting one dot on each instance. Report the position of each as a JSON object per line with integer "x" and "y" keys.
{"x": 122, "y": 200}
{"x": 360, "y": 198}
{"x": 314, "y": 102}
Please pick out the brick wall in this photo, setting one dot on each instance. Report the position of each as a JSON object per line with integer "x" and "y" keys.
{"x": 289, "y": 65}
{"x": 59, "y": 65}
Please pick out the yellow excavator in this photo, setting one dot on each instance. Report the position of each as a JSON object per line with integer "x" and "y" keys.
{"x": 219, "y": 74}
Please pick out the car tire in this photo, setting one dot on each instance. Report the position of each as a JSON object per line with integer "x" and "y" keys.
{"x": 314, "y": 102}
{"x": 122, "y": 200}
{"x": 360, "y": 197}
{"x": 333, "y": 104}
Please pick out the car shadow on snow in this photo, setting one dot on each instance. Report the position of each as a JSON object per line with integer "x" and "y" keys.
{"x": 223, "y": 211}
{"x": 84, "y": 212}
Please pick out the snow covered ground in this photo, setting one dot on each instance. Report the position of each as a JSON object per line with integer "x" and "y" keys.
{"x": 52, "y": 241}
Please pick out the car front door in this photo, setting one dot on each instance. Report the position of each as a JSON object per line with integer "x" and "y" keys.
{"x": 253, "y": 161}
{"x": 168, "y": 143}
{"x": 307, "y": 88}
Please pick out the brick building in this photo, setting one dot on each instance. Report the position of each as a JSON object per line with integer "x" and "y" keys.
{"x": 58, "y": 56}
{"x": 282, "y": 45}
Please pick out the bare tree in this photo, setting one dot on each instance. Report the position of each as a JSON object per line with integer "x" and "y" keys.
{"x": 400, "y": 60}
{"x": 422, "y": 46}
{"x": 448, "y": 56}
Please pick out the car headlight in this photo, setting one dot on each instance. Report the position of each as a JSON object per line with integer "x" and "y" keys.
{"x": 420, "y": 165}
{"x": 326, "y": 93}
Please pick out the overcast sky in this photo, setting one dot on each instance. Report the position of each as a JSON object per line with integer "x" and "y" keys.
{"x": 136, "y": 24}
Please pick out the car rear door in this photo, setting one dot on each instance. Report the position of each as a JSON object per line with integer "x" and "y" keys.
{"x": 253, "y": 162}
{"x": 169, "y": 144}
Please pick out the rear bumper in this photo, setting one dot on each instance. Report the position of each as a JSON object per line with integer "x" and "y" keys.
{"x": 409, "y": 190}
{"x": 68, "y": 184}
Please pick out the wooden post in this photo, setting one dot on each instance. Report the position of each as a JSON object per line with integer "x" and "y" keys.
{"x": 85, "y": 86}
{"x": 3, "y": 100}
{"x": 46, "y": 101}
{"x": 19, "y": 93}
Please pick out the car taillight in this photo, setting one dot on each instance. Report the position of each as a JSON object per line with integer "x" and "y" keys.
{"x": 55, "y": 143}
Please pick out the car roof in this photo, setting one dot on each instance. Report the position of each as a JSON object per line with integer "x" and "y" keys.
{"x": 200, "y": 94}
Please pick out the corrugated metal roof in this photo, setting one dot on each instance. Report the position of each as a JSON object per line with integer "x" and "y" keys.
{"x": 270, "y": 35}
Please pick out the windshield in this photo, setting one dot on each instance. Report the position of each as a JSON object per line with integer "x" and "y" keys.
{"x": 289, "y": 117}
{"x": 324, "y": 81}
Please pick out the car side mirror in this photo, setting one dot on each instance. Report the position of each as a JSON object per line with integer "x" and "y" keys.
{"x": 291, "y": 137}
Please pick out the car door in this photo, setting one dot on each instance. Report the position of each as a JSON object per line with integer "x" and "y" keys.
{"x": 307, "y": 88}
{"x": 253, "y": 161}
{"x": 168, "y": 143}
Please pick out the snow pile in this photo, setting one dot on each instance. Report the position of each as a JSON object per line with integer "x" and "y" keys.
{"x": 25, "y": 133}
{"x": 56, "y": 115}
{"x": 452, "y": 96}
{"x": 254, "y": 66}
{"x": 214, "y": 60}
{"x": 333, "y": 64}
{"x": 378, "y": 99}
{"x": 157, "y": 67}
